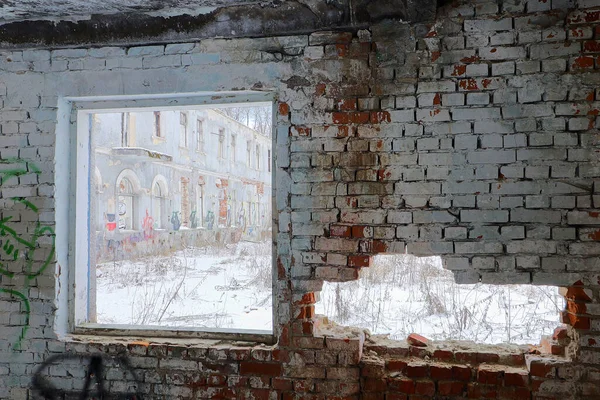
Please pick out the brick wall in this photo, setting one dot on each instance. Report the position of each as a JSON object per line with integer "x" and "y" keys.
{"x": 474, "y": 137}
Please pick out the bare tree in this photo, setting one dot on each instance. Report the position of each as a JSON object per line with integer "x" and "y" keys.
{"x": 257, "y": 118}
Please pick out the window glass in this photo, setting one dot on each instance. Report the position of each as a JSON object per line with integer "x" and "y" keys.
{"x": 175, "y": 246}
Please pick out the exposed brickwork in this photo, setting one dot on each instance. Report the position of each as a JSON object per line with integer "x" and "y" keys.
{"x": 474, "y": 137}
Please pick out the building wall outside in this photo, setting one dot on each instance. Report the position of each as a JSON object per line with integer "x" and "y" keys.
{"x": 474, "y": 137}
{"x": 228, "y": 196}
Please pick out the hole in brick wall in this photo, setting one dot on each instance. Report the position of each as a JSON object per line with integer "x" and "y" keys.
{"x": 402, "y": 294}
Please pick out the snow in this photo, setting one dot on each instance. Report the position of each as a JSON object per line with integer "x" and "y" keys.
{"x": 402, "y": 294}
{"x": 228, "y": 287}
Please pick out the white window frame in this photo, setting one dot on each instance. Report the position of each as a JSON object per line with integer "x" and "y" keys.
{"x": 74, "y": 223}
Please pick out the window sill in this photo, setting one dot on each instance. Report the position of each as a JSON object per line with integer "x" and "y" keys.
{"x": 119, "y": 330}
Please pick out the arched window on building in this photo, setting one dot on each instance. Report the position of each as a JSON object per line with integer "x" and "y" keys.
{"x": 159, "y": 195}
{"x": 126, "y": 204}
{"x": 258, "y": 157}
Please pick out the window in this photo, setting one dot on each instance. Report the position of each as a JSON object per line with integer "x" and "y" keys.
{"x": 126, "y": 208}
{"x": 156, "y": 220}
{"x": 269, "y": 160}
{"x": 148, "y": 273}
{"x": 184, "y": 190}
{"x": 127, "y": 129}
{"x": 258, "y": 157}
{"x": 200, "y": 205}
{"x": 249, "y": 154}
{"x": 183, "y": 137}
{"x": 157, "y": 131}
{"x": 233, "y": 148}
{"x": 221, "y": 151}
{"x": 199, "y": 135}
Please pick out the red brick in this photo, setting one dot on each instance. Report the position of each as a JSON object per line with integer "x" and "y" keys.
{"x": 340, "y": 230}
{"x": 257, "y": 368}
{"x": 284, "y": 109}
{"x": 380, "y": 116}
{"x": 582, "y": 62}
{"x": 487, "y": 358}
{"x": 415, "y": 339}
{"x": 402, "y": 385}
{"x": 443, "y": 355}
{"x": 340, "y": 118}
{"x": 374, "y": 385}
{"x": 439, "y": 372}
{"x": 514, "y": 393}
{"x": 425, "y": 387}
{"x": 451, "y": 388}
{"x": 461, "y": 373}
{"x": 282, "y": 384}
{"x": 477, "y": 391}
{"x": 489, "y": 376}
{"x": 281, "y": 355}
{"x": 394, "y": 396}
{"x": 361, "y": 231}
{"x": 560, "y": 333}
{"x": 419, "y": 352}
{"x": 416, "y": 370}
{"x": 576, "y": 321}
{"x": 360, "y": 117}
{"x": 304, "y": 312}
{"x": 584, "y": 16}
{"x": 359, "y": 261}
{"x": 519, "y": 379}
{"x": 541, "y": 369}
{"x": 591, "y": 46}
{"x": 577, "y": 293}
{"x": 466, "y": 357}
{"x": 576, "y": 308}
{"x": 395, "y": 365}
{"x": 347, "y": 105}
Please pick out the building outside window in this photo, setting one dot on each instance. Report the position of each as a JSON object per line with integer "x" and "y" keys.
{"x": 183, "y": 137}
{"x": 221, "y": 151}
{"x": 258, "y": 157}
{"x": 200, "y": 205}
{"x": 126, "y": 200}
{"x": 248, "y": 154}
{"x": 199, "y": 135}
{"x": 233, "y": 148}
{"x": 158, "y": 205}
{"x": 185, "y": 202}
{"x": 157, "y": 131}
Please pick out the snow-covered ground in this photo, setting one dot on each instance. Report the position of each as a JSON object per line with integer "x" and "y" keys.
{"x": 402, "y": 294}
{"x": 228, "y": 287}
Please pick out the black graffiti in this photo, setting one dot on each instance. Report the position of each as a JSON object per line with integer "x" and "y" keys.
{"x": 94, "y": 383}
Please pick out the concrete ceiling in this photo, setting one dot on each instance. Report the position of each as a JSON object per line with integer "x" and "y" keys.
{"x": 32, "y": 23}
{"x": 19, "y": 10}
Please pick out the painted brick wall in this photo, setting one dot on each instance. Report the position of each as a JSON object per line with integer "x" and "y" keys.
{"x": 474, "y": 137}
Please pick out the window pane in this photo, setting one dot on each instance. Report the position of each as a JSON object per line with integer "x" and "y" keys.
{"x": 182, "y": 242}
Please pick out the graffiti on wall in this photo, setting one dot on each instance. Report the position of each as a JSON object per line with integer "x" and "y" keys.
{"x": 93, "y": 383}
{"x": 19, "y": 246}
